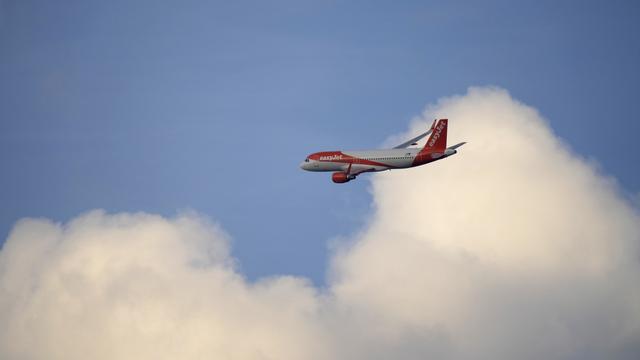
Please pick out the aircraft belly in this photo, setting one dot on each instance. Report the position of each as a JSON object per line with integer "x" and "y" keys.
{"x": 359, "y": 168}
{"x": 334, "y": 166}
{"x": 400, "y": 163}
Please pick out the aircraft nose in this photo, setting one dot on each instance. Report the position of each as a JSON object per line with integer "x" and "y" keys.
{"x": 303, "y": 165}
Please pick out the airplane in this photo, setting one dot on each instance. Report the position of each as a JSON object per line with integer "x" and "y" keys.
{"x": 349, "y": 164}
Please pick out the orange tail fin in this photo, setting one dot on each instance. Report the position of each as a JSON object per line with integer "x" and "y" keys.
{"x": 438, "y": 138}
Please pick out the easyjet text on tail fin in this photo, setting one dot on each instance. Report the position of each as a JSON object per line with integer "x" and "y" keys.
{"x": 438, "y": 138}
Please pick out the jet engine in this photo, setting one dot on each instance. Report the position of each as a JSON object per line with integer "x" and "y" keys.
{"x": 341, "y": 177}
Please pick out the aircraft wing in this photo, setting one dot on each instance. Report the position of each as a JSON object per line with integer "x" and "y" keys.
{"x": 353, "y": 171}
{"x": 415, "y": 139}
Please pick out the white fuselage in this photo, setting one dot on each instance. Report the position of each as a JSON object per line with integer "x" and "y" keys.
{"x": 346, "y": 165}
{"x": 367, "y": 160}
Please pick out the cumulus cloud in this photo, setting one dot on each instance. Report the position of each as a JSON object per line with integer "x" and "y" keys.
{"x": 514, "y": 248}
{"x": 134, "y": 286}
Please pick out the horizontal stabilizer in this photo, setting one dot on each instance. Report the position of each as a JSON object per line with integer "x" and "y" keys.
{"x": 456, "y": 145}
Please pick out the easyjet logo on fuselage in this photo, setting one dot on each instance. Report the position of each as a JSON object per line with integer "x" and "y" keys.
{"x": 436, "y": 135}
{"x": 331, "y": 157}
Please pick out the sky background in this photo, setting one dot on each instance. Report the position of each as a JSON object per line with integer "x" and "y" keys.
{"x": 211, "y": 106}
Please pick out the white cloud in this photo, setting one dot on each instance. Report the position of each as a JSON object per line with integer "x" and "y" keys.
{"x": 514, "y": 248}
{"x": 134, "y": 286}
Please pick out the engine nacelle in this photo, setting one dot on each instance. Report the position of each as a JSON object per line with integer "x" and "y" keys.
{"x": 341, "y": 177}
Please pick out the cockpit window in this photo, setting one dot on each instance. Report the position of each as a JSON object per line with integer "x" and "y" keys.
{"x": 306, "y": 160}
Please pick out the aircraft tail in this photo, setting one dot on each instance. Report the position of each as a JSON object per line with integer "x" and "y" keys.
{"x": 438, "y": 138}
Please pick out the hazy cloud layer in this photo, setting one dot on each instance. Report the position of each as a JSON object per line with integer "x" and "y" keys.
{"x": 514, "y": 248}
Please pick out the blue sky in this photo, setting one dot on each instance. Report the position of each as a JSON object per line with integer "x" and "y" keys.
{"x": 211, "y": 106}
